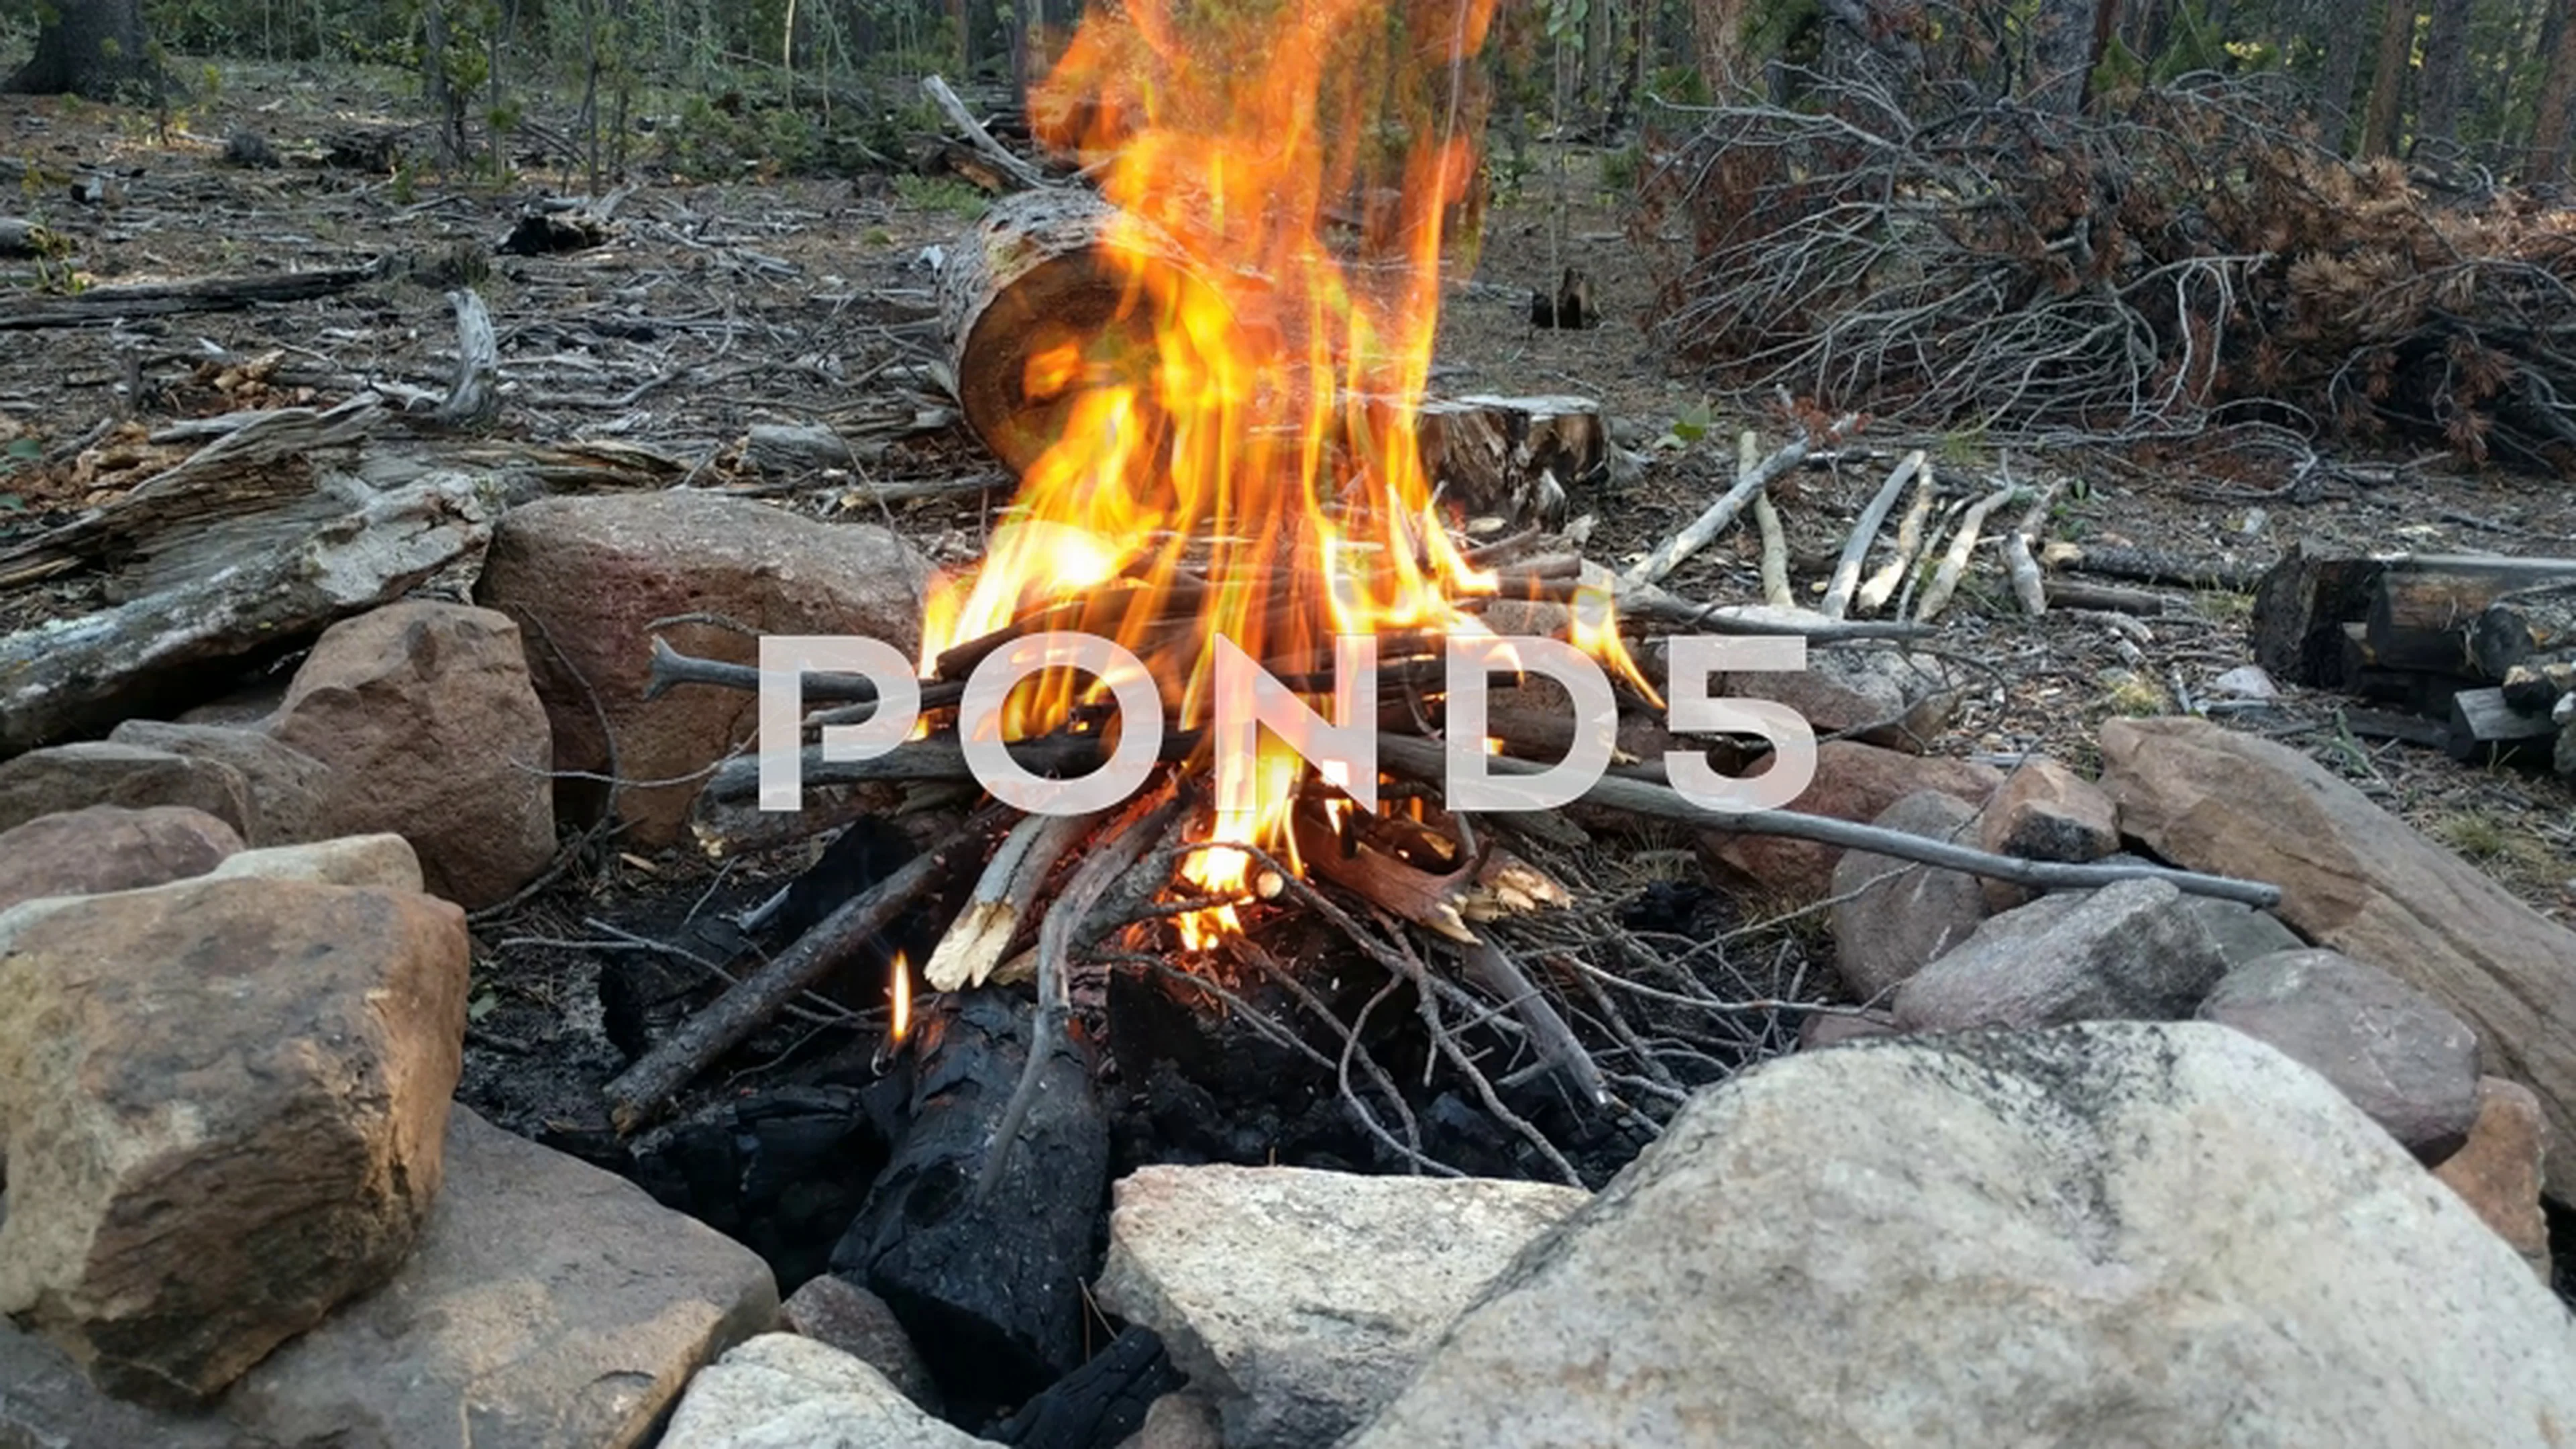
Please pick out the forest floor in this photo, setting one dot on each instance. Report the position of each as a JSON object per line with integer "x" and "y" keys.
{"x": 716, "y": 304}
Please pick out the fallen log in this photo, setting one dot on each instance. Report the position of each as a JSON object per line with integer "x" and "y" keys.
{"x": 102, "y": 305}
{"x": 2417, "y": 610}
{"x": 990, "y": 1287}
{"x": 61, "y": 679}
{"x": 2301, "y": 605}
{"x": 2151, "y": 566}
{"x": 1034, "y": 278}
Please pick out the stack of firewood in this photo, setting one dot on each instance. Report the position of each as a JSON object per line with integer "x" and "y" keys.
{"x": 2474, "y": 653}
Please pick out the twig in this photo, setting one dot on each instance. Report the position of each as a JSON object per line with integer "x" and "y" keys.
{"x": 1709, "y": 524}
{"x": 982, "y": 933}
{"x": 1846, "y": 575}
{"x": 1428, "y": 760}
{"x": 643, "y": 1090}
{"x": 1945, "y": 580}
{"x": 1775, "y": 539}
{"x": 2018, "y": 562}
{"x": 1874, "y": 594}
{"x": 1493, "y": 969}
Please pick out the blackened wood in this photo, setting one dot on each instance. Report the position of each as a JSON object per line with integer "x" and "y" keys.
{"x": 1099, "y": 1404}
{"x": 991, "y": 1291}
{"x": 2300, "y": 608}
{"x": 2152, "y": 566}
{"x": 2538, "y": 684}
{"x": 2485, "y": 728}
{"x": 2414, "y": 729}
{"x": 643, "y": 1091}
{"x": 2421, "y": 620}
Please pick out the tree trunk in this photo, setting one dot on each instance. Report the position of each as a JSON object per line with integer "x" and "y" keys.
{"x": 2061, "y": 50}
{"x": 2445, "y": 76}
{"x": 2549, "y": 122}
{"x": 2344, "y": 38}
{"x": 2388, "y": 83}
{"x": 89, "y": 48}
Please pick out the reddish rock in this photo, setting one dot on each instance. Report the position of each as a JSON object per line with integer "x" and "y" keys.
{"x": 2498, "y": 1171}
{"x": 1853, "y": 782}
{"x": 62, "y": 778}
{"x": 2046, "y": 811}
{"x": 109, "y": 848}
{"x": 2360, "y": 880}
{"x": 424, "y": 715}
{"x": 588, "y": 576}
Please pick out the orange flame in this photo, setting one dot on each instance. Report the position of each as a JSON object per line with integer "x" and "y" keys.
{"x": 902, "y": 989}
{"x": 1262, "y": 480}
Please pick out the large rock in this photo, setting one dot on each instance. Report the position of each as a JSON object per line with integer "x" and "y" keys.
{"x": 1878, "y": 696}
{"x": 109, "y": 848}
{"x": 831, "y": 1309}
{"x": 2360, "y": 880}
{"x": 289, "y": 793}
{"x": 2046, "y": 811}
{"x": 1299, "y": 1300}
{"x": 223, "y": 1104}
{"x": 425, "y": 716}
{"x": 2116, "y": 1234}
{"x": 356, "y": 860}
{"x": 1854, "y": 782}
{"x": 549, "y": 1305}
{"x": 782, "y": 1391}
{"x": 2129, "y": 950}
{"x": 47, "y": 1403}
{"x": 2497, "y": 1172}
{"x": 62, "y": 778}
{"x": 592, "y": 574}
{"x": 2390, "y": 1048}
{"x": 1889, "y": 918}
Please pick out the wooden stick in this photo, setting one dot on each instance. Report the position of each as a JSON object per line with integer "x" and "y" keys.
{"x": 644, "y": 1090}
{"x": 1775, "y": 540}
{"x": 933, "y": 757}
{"x": 1428, "y": 760}
{"x": 1494, "y": 970}
{"x": 1955, "y": 563}
{"x": 979, "y": 138}
{"x": 473, "y": 399}
{"x": 1882, "y": 585}
{"x": 1709, "y": 524}
{"x": 1846, "y": 574}
{"x": 982, "y": 934}
{"x": 2018, "y": 562}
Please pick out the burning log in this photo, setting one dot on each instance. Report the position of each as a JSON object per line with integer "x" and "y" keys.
{"x": 990, "y": 1286}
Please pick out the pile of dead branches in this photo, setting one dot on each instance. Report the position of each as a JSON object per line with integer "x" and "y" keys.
{"x": 2185, "y": 258}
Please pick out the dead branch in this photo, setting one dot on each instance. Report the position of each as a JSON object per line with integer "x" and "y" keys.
{"x": 2018, "y": 562}
{"x": 1775, "y": 539}
{"x": 1874, "y": 594}
{"x": 1954, "y": 564}
{"x": 1493, "y": 969}
{"x": 474, "y": 399}
{"x": 1846, "y": 575}
{"x": 1427, "y": 760}
{"x": 1002, "y": 157}
{"x": 1004, "y": 895}
{"x": 1669, "y": 555}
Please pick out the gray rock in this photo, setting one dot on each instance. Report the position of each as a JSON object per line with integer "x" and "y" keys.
{"x": 2389, "y": 1047}
{"x": 833, "y": 1310}
{"x": 46, "y": 1403}
{"x": 784, "y": 1391}
{"x": 549, "y": 1305}
{"x": 224, "y": 1103}
{"x": 289, "y": 791}
{"x": 1299, "y": 1300}
{"x": 1885, "y": 697}
{"x": 61, "y": 778}
{"x": 2241, "y": 932}
{"x": 1179, "y": 1421}
{"x": 109, "y": 848}
{"x": 1890, "y": 918}
{"x": 2151, "y": 1236}
{"x": 2129, "y": 949}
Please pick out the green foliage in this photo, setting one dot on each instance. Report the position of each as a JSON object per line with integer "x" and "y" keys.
{"x": 936, "y": 194}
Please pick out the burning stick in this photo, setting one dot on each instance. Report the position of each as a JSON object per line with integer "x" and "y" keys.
{"x": 1846, "y": 576}
{"x": 983, "y": 932}
{"x": 1708, "y": 525}
{"x": 1427, "y": 760}
{"x": 643, "y": 1090}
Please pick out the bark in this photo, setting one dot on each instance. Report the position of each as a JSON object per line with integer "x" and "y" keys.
{"x": 2549, "y": 123}
{"x": 2061, "y": 51}
{"x": 89, "y": 48}
{"x": 2379, "y": 123}
{"x": 2445, "y": 75}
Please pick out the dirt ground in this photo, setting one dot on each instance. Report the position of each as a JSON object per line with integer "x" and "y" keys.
{"x": 716, "y": 305}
